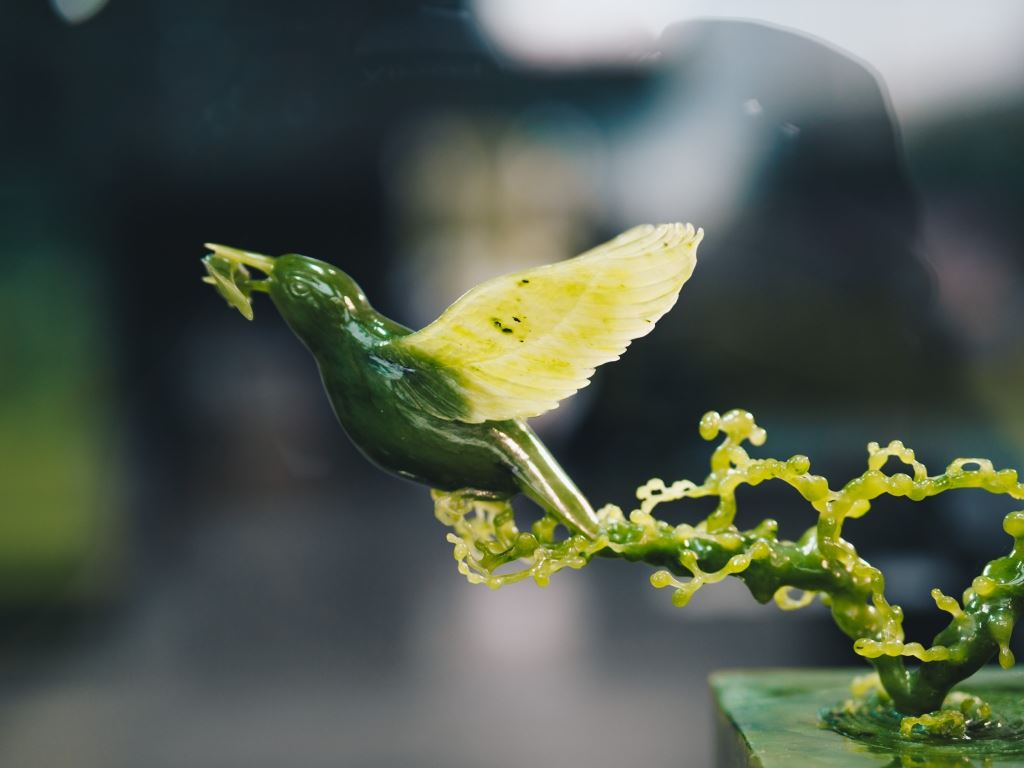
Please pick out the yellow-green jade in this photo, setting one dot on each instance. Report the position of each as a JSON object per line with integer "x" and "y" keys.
{"x": 821, "y": 563}
{"x": 446, "y": 406}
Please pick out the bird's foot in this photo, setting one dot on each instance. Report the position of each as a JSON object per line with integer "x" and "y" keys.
{"x": 486, "y": 540}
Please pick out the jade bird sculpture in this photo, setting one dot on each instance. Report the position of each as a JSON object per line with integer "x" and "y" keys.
{"x": 446, "y": 406}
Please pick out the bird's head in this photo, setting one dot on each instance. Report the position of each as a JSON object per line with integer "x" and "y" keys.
{"x": 311, "y": 295}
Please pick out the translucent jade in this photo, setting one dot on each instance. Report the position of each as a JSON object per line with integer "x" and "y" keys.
{"x": 446, "y": 406}
{"x": 821, "y": 563}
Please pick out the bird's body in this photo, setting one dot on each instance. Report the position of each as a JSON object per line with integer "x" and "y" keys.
{"x": 446, "y": 406}
{"x": 490, "y": 458}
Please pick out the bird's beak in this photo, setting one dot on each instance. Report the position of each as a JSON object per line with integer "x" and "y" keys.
{"x": 226, "y": 270}
{"x": 258, "y": 261}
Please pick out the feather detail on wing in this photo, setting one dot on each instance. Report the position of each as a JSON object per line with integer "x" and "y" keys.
{"x": 516, "y": 345}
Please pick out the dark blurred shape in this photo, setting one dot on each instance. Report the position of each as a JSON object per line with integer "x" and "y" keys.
{"x": 813, "y": 295}
{"x": 810, "y": 306}
{"x": 411, "y": 40}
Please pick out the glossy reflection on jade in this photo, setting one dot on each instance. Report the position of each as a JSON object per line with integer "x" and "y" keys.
{"x": 447, "y": 406}
{"x": 820, "y": 564}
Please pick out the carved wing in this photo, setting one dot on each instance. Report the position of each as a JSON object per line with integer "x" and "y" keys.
{"x": 516, "y": 345}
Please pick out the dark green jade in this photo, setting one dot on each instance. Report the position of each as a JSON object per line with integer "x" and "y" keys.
{"x": 819, "y": 564}
{"x": 769, "y": 718}
{"x": 386, "y": 396}
{"x": 407, "y": 412}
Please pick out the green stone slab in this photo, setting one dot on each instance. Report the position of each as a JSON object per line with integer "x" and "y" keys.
{"x": 769, "y": 719}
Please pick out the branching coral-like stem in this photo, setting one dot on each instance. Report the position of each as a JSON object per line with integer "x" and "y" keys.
{"x": 820, "y": 562}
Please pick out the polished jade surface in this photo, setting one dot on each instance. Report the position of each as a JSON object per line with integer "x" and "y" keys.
{"x": 820, "y": 564}
{"x": 446, "y": 406}
{"x": 773, "y": 719}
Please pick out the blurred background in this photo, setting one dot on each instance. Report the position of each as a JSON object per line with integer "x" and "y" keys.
{"x": 196, "y": 567}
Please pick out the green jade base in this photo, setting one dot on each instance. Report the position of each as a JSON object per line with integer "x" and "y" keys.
{"x": 819, "y": 564}
{"x": 786, "y": 718}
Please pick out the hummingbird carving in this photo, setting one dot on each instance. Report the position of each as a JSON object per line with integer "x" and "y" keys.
{"x": 447, "y": 406}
